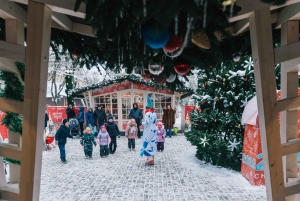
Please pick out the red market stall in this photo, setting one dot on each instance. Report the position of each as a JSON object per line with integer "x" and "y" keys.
{"x": 58, "y": 113}
{"x": 252, "y": 159}
{"x": 3, "y": 129}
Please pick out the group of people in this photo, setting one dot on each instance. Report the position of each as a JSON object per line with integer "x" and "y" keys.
{"x": 107, "y": 132}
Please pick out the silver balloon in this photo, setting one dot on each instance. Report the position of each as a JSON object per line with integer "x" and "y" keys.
{"x": 155, "y": 68}
{"x": 171, "y": 78}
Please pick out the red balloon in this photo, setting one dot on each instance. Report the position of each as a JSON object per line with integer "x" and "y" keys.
{"x": 182, "y": 69}
{"x": 174, "y": 44}
{"x": 146, "y": 77}
{"x": 160, "y": 79}
{"x": 74, "y": 53}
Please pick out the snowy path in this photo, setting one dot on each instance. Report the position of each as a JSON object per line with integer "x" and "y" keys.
{"x": 177, "y": 175}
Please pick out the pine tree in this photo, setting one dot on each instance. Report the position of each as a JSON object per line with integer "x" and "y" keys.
{"x": 222, "y": 93}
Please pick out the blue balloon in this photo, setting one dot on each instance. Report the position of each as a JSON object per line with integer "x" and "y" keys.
{"x": 153, "y": 38}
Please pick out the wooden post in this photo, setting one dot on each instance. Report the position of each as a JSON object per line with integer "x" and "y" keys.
{"x": 37, "y": 55}
{"x": 264, "y": 71}
{"x": 289, "y": 88}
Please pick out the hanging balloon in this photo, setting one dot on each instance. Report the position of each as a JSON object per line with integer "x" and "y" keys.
{"x": 200, "y": 38}
{"x": 147, "y": 77}
{"x": 75, "y": 53}
{"x": 174, "y": 44}
{"x": 236, "y": 57}
{"x": 155, "y": 68}
{"x": 160, "y": 79}
{"x": 182, "y": 68}
{"x": 171, "y": 78}
{"x": 154, "y": 37}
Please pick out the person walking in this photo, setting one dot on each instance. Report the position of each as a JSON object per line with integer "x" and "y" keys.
{"x": 136, "y": 113}
{"x": 61, "y": 139}
{"x": 70, "y": 112}
{"x": 103, "y": 140}
{"x": 89, "y": 119}
{"x": 87, "y": 141}
{"x": 131, "y": 133}
{"x": 113, "y": 132}
{"x": 161, "y": 134}
{"x": 149, "y": 147}
{"x": 80, "y": 119}
{"x": 168, "y": 119}
{"x": 100, "y": 117}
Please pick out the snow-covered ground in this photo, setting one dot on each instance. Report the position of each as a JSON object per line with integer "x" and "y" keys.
{"x": 176, "y": 175}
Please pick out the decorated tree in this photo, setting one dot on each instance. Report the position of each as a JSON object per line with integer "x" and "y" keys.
{"x": 222, "y": 93}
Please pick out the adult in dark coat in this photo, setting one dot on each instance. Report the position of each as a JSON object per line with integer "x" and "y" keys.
{"x": 46, "y": 120}
{"x": 136, "y": 113}
{"x": 169, "y": 120}
{"x": 113, "y": 131}
{"x": 70, "y": 112}
{"x": 80, "y": 119}
{"x": 100, "y": 117}
{"x": 61, "y": 139}
{"x": 89, "y": 118}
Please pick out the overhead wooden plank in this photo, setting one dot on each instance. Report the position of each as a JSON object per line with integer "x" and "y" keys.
{"x": 37, "y": 56}
{"x": 9, "y": 193}
{"x": 291, "y": 12}
{"x": 63, "y": 21}
{"x": 286, "y": 52}
{"x": 248, "y": 7}
{"x": 290, "y": 147}
{"x": 262, "y": 51}
{"x": 12, "y": 51}
{"x": 243, "y": 25}
{"x": 10, "y": 10}
{"x": 10, "y": 151}
{"x": 83, "y": 29}
{"x": 288, "y": 103}
{"x": 8, "y": 105}
{"x": 65, "y": 6}
{"x": 292, "y": 188}
{"x": 8, "y": 65}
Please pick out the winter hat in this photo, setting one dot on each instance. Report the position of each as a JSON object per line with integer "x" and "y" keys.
{"x": 64, "y": 121}
{"x": 159, "y": 124}
{"x": 132, "y": 121}
{"x": 110, "y": 117}
{"x": 102, "y": 127}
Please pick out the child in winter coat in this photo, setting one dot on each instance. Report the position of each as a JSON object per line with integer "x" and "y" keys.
{"x": 113, "y": 132}
{"x": 161, "y": 134}
{"x": 103, "y": 140}
{"x": 87, "y": 140}
{"x": 131, "y": 133}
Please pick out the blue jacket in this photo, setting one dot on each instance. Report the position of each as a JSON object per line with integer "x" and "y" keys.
{"x": 89, "y": 118}
{"x": 62, "y": 134}
{"x": 80, "y": 116}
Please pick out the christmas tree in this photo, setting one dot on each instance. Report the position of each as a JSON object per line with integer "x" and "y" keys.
{"x": 223, "y": 92}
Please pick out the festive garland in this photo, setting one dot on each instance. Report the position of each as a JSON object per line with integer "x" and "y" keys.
{"x": 132, "y": 78}
{"x": 14, "y": 90}
{"x": 69, "y": 87}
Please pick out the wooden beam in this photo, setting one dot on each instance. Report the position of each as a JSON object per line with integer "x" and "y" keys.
{"x": 10, "y": 151}
{"x": 289, "y": 13}
{"x": 292, "y": 188}
{"x": 8, "y": 65}
{"x": 12, "y": 51}
{"x": 83, "y": 29}
{"x": 262, "y": 51}
{"x": 287, "y": 52}
{"x": 63, "y": 21}
{"x": 37, "y": 56}
{"x": 9, "y": 193}
{"x": 14, "y": 31}
{"x": 243, "y": 25}
{"x": 248, "y": 7}
{"x": 290, "y": 147}
{"x": 65, "y": 7}
{"x": 288, "y": 103}
{"x": 10, "y": 10}
{"x": 8, "y": 105}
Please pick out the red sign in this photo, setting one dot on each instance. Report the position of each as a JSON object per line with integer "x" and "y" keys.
{"x": 112, "y": 88}
{"x": 58, "y": 113}
{"x": 3, "y": 129}
{"x": 148, "y": 88}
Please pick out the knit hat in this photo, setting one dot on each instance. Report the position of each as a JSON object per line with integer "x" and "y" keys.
{"x": 64, "y": 121}
{"x": 102, "y": 127}
{"x": 159, "y": 124}
{"x": 110, "y": 117}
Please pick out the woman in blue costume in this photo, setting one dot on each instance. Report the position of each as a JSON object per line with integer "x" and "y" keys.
{"x": 149, "y": 137}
